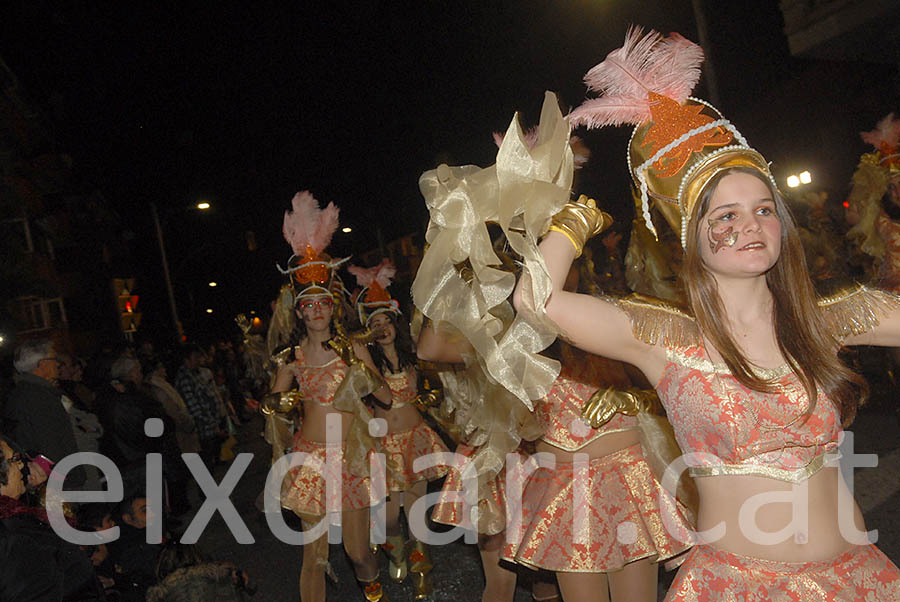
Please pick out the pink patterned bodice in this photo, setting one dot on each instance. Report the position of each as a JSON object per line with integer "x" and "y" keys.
{"x": 559, "y": 413}
{"x": 318, "y": 383}
{"x": 403, "y": 388}
{"x": 734, "y": 430}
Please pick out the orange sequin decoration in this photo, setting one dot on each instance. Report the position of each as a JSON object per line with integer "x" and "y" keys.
{"x": 416, "y": 556}
{"x": 313, "y": 273}
{"x": 376, "y": 293}
{"x": 671, "y": 120}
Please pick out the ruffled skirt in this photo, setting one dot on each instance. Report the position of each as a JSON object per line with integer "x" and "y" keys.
{"x": 451, "y": 510}
{"x": 712, "y": 575}
{"x": 597, "y": 516}
{"x": 401, "y": 450}
{"x": 303, "y": 487}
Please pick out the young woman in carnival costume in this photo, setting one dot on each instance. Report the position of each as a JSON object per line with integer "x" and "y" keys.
{"x": 749, "y": 375}
{"x": 332, "y": 372}
{"x": 408, "y": 436}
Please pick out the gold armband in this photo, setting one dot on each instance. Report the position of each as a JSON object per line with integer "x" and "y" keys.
{"x": 427, "y": 399}
{"x": 606, "y": 403}
{"x": 579, "y": 221}
{"x": 280, "y": 403}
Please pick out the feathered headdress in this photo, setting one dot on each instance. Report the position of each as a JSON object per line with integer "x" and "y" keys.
{"x": 374, "y": 299}
{"x": 680, "y": 142}
{"x": 580, "y": 152}
{"x": 308, "y": 229}
{"x": 885, "y": 138}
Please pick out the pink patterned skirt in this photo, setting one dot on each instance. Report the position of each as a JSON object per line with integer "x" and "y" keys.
{"x": 490, "y": 503}
{"x": 596, "y": 517}
{"x": 712, "y": 575}
{"x": 402, "y": 448}
{"x": 303, "y": 487}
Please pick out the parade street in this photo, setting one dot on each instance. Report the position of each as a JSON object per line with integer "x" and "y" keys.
{"x": 275, "y": 566}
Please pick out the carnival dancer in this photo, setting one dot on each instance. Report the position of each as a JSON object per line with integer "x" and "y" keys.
{"x": 595, "y": 516}
{"x": 332, "y": 373}
{"x": 408, "y": 436}
{"x": 750, "y": 377}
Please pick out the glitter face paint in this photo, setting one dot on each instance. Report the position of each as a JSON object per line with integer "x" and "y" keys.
{"x": 720, "y": 235}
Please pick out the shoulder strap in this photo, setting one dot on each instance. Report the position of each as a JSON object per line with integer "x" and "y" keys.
{"x": 654, "y": 321}
{"x": 856, "y": 309}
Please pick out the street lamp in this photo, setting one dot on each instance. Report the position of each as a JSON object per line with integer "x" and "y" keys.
{"x": 213, "y": 284}
{"x": 346, "y": 229}
{"x": 209, "y": 310}
{"x": 162, "y": 251}
{"x": 795, "y": 180}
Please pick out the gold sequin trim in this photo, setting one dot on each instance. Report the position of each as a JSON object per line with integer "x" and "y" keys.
{"x": 780, "y": 474}
{"x": 704, "y": 365}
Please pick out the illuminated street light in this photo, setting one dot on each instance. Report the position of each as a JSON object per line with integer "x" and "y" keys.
{"x": 213, "y": 284}
{"x": 209, "y": 310}
{"x": 346, "y": 229}
{"x": 793, "y": 181}
{"x": 805, "y": 177}
{"x": 203, "y": 205}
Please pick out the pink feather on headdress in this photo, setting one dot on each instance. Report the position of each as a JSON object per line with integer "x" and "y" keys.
{"x": 885, "y": 135}
{"x": 669, "y": 66}
{"x": 531, "y": 137}
{"x": 580, "y": 151}
{"x": 306, "y": 224}
{"x": 383, "y": 274}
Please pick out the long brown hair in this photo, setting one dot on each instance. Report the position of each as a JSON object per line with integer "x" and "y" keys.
{"x": 800, "y": 330}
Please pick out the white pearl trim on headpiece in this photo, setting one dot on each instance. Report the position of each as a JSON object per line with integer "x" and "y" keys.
{"x": 642, "y": 169}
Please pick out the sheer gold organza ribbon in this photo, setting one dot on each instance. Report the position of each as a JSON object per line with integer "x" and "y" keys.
{"x": 357, "y": 383}
{"x": 519, "y": 193}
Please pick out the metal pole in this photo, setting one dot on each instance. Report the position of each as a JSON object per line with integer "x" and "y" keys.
{"x": 712, "y": 84}
{"x": 165, "y": 263}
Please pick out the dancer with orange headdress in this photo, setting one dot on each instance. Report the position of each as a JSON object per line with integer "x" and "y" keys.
{"x": 749, "y": 375}
{"x": 408, "y": 436}
{"x": 331, "y": 372}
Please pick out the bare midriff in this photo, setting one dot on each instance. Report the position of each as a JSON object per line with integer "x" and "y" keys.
{"x": 599, "y": 447}
{"x": 315, "y": 422}
{"x": 815, "y": 533}
{"x": 400, "y": 419}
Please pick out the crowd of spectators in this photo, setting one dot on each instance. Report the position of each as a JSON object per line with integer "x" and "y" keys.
{"x": 56, "y": 404}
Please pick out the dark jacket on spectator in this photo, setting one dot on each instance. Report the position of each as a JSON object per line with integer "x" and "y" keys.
{"x": 39, "y": 565}
{"x": 35, "y": 418}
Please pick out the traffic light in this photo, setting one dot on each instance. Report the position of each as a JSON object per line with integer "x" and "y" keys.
{"x": 126, "y": 303}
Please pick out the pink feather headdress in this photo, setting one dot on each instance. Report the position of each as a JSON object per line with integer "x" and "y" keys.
{"x": 667, "y": 66}
{"x": 885, "y": 138}
{"x": 679, "y": 142}
{"x": 580, "y": 152}
{"x": 308, "y": 229}
{"x": 374, "y": 298}
{"x": 305, "y": 225}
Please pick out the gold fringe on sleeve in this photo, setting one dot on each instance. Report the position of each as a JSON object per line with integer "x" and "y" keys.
{"x": 856, "y": 309}
{"x": 654, "y": 321}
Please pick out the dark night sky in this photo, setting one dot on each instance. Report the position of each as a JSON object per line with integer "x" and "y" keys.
{"x": 243, "y": 107}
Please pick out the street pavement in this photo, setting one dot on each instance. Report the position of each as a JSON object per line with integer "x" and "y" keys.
{"x": 274, "y": 566}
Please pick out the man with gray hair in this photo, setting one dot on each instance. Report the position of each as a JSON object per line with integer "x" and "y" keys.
{"x": 33, "y": 414}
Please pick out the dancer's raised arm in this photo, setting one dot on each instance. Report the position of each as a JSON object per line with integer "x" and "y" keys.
{"x": 590, "y": 323}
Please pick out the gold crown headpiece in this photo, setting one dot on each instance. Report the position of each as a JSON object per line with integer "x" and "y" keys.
{"x": 374, "y": 298}
{"x": 308, "y": 229}
{"x": 679, "y": 143}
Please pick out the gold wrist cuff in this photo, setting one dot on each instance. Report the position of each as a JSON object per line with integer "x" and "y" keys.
{"x": 579, "y": 221}
{"x": 280, "y": 403}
